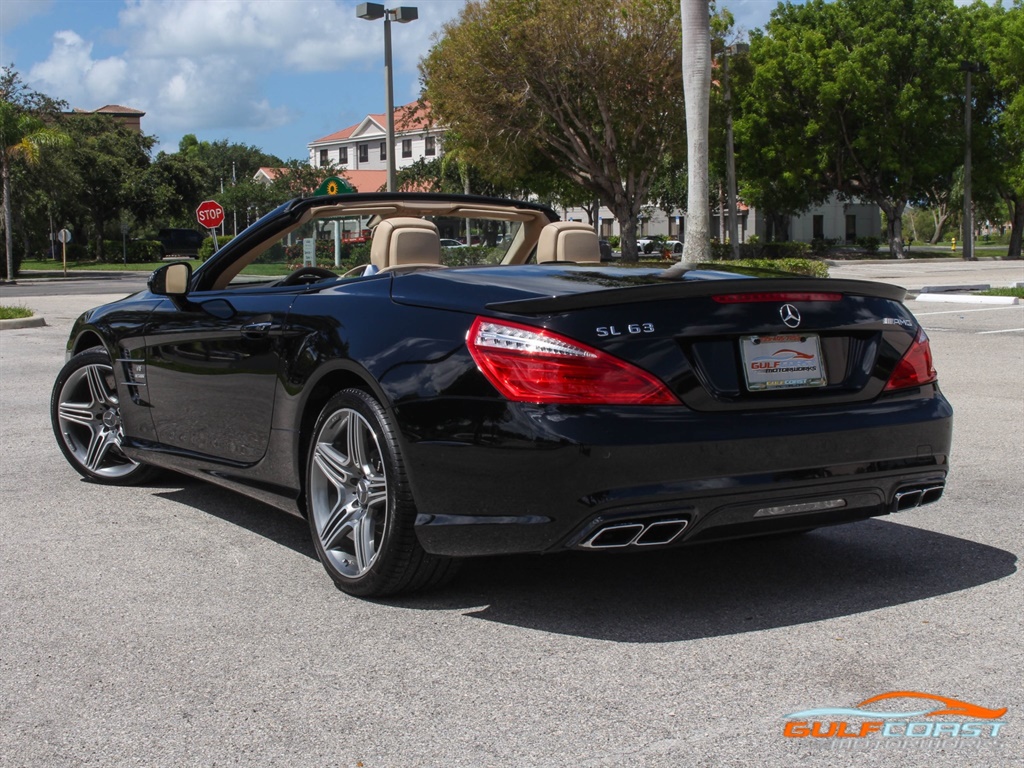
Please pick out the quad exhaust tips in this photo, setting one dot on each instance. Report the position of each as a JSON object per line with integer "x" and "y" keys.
{"x": 915, "y": 496}
{"x": 635, "y": 534}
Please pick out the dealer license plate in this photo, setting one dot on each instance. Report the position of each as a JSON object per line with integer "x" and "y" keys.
{"x": 787, "y": 361}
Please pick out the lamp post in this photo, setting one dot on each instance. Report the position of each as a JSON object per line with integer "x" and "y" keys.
{"x": 403, "y": 15}
{"x": 968, "y": 67}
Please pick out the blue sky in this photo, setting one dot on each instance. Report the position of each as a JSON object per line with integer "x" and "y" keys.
{"x": 276, "y": 74}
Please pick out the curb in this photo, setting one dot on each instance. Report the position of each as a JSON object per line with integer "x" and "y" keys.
{"x": 954, "y": 298}
{"x": 21, "y": 322}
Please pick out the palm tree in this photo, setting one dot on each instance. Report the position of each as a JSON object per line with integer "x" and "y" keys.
{"x": 21, "y": 135}
{"x": 697, "y": 94}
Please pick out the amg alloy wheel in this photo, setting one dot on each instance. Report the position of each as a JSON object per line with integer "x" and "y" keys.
{"x": 86, "y": 417}
{"x": 359, "y": 504}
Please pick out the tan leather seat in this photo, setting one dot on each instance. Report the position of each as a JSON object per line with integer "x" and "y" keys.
{"x": 568, "y": 241}
{"x": 405, "y": 241}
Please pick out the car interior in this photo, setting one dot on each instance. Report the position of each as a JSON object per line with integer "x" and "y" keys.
{"x": 404, "y": 236}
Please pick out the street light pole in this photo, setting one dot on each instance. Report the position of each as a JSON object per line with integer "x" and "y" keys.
{"x": 403, "y": 15}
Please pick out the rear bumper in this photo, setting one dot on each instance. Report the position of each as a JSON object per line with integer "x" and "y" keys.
{"x": 507, "y": 478}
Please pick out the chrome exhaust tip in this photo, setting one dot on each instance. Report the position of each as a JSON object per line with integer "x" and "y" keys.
{"x": 661, "y": 532}
{"x": 614, "y": 536}
{"x": 640, "y": 534}
{"x": 916, "y": 495}
{"x": 907, "y": 499}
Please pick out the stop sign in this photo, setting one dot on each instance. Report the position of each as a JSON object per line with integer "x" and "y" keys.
{"x": 210, "y": 214}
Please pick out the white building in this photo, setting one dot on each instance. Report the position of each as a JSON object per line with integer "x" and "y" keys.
{"x": 363, "y": 147}
{"x": 835, "y": 219}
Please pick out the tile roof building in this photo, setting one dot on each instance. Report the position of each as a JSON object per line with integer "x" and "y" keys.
{"x": 360, "y": 151}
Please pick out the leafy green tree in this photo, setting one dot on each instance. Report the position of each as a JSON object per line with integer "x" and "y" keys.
{"x": 24, "y": 135}
{"x": 860, "y": 93}
{"x": 110, "y": 163}
{"x": 179, "y": 182}
{"x": 227, "y": 161}
{"x": 998, "y": 42}
{"x": 590, "y": 90}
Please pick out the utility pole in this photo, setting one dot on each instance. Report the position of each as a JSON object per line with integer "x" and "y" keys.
{"x": 968, "y": 67}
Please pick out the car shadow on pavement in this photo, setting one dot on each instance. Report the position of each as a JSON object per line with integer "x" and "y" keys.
{"x": 262, "y": 519}
{"x": 669, "y": 595}
{"x": 720, "y": 589}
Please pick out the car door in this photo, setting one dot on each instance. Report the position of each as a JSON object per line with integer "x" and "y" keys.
{"x": 213, "y": 363}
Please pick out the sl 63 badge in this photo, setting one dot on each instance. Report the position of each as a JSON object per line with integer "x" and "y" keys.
{"x": 611, "y": 330}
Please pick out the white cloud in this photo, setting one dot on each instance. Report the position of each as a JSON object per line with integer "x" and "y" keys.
{"x": 194, "y": 65}
{"x": 15, "y": 12}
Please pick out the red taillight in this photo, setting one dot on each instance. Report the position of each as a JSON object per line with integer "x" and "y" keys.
{"x": 532, "y": 365}
{"x": 783, "y": 296}
{"x": 915, "y": 368}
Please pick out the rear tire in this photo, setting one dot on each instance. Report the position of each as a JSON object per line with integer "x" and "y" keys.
{"x": 360, "y": 506}
{"x": 86, "y": 418}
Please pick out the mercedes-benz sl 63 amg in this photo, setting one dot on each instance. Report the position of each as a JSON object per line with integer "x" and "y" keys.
{"x": 531, "y": 400}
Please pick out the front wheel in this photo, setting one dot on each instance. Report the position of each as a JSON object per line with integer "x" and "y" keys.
{"x": 86, "y": 417}
{"x": 360, "y": 507}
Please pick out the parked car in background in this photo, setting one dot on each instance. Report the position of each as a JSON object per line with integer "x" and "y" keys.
{"x": 415, "y": 414}
{"x": 180, "y": 242}
{"x": 447, "y": 242}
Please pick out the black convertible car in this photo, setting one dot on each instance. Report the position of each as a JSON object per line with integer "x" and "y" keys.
{"x": 416, "y": 414}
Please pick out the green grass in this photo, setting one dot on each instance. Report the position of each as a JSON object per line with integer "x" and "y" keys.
{"x": 48, "y": 265}
{"x": 1018, "y": 292}
{"x": 13, "y": 313}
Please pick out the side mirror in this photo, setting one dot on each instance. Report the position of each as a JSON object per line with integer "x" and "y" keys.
{"x": 171, "y": 280}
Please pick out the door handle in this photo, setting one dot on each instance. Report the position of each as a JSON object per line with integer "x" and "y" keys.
{"x": 257, "y": 329}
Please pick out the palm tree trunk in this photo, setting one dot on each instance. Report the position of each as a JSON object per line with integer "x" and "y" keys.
{"x": 5, "y": 172}
{"x": 696, "y": 44}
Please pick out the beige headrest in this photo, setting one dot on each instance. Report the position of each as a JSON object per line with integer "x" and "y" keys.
{"x": 405, "y": 240}
{"x": 568, "y": 241}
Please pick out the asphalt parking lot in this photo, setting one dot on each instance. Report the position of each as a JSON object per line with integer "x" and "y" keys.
{"x": 180, "y": 624}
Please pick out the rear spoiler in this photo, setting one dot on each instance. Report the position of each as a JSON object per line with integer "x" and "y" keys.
{"x": 547, "y": 305}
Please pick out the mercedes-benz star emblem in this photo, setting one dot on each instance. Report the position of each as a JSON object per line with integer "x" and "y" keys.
{"x": 790, "y": 315}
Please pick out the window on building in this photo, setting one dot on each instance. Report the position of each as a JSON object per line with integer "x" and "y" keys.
{"x": 428, "y": 146}
{"x": 607, "y": 227}
{"x": 851, "y": 227}
{"x": 383, "y": 150}
{"x": 406, "y": 147}
{"x": 323, "y": 157}
{"x": 819, "y": 227}
{"x": 364, "y": 153}
{"x": 343, "y": 155}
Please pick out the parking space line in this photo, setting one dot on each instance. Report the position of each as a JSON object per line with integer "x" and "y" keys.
{"x": 1004, "y": 330}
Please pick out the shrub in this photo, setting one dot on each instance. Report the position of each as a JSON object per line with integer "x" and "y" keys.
{"x": 134, "y": 252}
{"x": 784, "y": 250}
{"x": 471, "y": 255}
{"x": 721, "y": 251}
{"x": 808, "y": 267}
{"x": 75, "y": 252}
{"x": 206, "y": 249}
{"x": 613, "y": 240}
{"x": 820, "y": 246}
{"x": 869, "y": 244}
